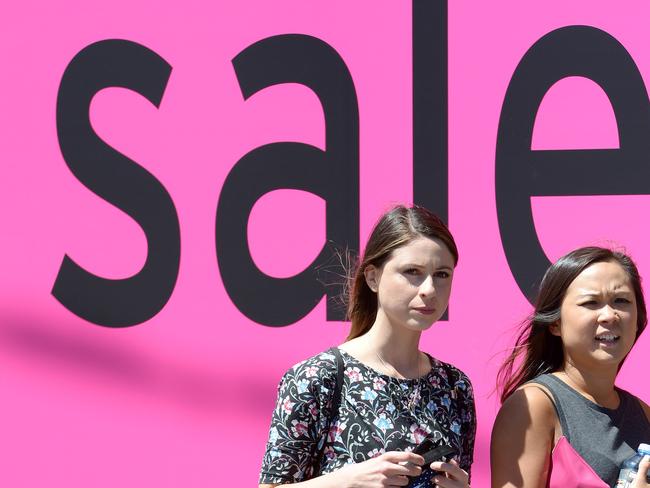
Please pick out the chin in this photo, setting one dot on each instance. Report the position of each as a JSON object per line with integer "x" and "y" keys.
{"x": 419, "y": 326}
{"x": 613, "y": 358}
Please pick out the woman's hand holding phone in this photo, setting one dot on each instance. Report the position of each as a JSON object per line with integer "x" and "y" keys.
{"x": 450, "y": 475}
{"x": 391, "y": 469}
{"x": 436, "y": 471}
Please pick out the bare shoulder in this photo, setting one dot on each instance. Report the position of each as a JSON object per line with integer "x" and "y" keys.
{"x": 522, "y": 439}
{"x": 357, "y": 348}
{"x": 529, "y": 406}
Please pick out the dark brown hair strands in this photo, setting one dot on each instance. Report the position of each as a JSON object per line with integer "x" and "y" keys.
{"x": 536, "y": 350}
{"x": 395, "y": 228}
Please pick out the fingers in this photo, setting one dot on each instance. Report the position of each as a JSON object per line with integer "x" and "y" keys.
{"x": 402, "y": 456}
{"x": 401, "y": 466}
{"x": 644, "y": 465}
{"x": 442, "y": 482}
{"x": 399, "y": 481}
{"x": 407, "y": 469}
{"x": 454, "y": 474}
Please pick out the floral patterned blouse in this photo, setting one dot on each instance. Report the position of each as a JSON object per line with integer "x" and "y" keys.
{"x": 377, "y": 413}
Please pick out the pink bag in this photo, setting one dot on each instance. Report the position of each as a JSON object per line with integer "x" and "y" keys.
{"x": 569, "y": 470}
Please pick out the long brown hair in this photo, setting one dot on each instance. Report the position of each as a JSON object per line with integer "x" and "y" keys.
{"x": 537, "y": 350}
{"x": 395, "y": 228}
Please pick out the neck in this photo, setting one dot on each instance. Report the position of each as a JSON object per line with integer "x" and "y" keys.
{"x": 396, "y": 345}
{"x": 597, "y": 385}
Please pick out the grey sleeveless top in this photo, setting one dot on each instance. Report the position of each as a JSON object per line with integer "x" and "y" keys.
{"x": 603, "y": 437}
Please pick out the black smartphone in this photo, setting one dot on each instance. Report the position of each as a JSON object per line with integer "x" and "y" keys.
{"x": 430, "y": 452}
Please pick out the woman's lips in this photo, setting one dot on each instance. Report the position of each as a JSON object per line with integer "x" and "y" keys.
{"x": 607, "y": 339}
{"x": 425, "y": 310}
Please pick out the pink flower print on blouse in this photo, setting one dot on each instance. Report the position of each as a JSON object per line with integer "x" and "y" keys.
{"x": 311, "y": 371}
{"x": 417, "y": 434}
{"x": 329, "y": 453}
{"x": 335, "y": 431}
{"x": 287, "y": 405}
{"x": 299, "y": 429}
{"x": 313, "y": 410}
{"x": 378, "y": 383}
{"x": 354, "y": 374}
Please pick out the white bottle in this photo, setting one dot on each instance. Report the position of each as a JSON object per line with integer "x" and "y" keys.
{"x": 630, "y": 467}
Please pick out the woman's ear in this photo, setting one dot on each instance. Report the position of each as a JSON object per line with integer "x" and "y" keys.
{"x": 371, "y": 274}
{"x": 555, "y": 329}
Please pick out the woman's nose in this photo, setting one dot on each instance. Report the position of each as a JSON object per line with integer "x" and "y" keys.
{"x": 608, "y": 314}
{"x": 427, "y": 288}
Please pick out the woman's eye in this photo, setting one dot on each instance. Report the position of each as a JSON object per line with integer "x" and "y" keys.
{"x": 442, "y": 274}
{"x": 412, "y": 271}
{"x": 588, "y": 303}
{"x": 622, "y": 300}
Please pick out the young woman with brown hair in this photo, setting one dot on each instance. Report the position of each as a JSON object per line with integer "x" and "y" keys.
{"x": 563, "y": 422}
{"x": 392, "y": 395}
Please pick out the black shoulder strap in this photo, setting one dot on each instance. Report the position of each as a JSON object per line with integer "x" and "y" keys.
{"x": 336, "y": 403}
{"x": 336, "y": 400}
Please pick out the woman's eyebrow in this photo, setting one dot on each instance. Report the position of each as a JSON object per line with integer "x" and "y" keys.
{"x": 588, "y": 293}
{"x": 623, "y": 287}
{"x": 618, "y": 289}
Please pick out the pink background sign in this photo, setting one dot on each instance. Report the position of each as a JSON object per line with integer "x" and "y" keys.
{"x": 185, "y": 398}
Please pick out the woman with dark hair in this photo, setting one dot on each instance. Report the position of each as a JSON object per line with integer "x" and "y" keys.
{"x": 350, "y": 416}
{"x": 563, "y": 421}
